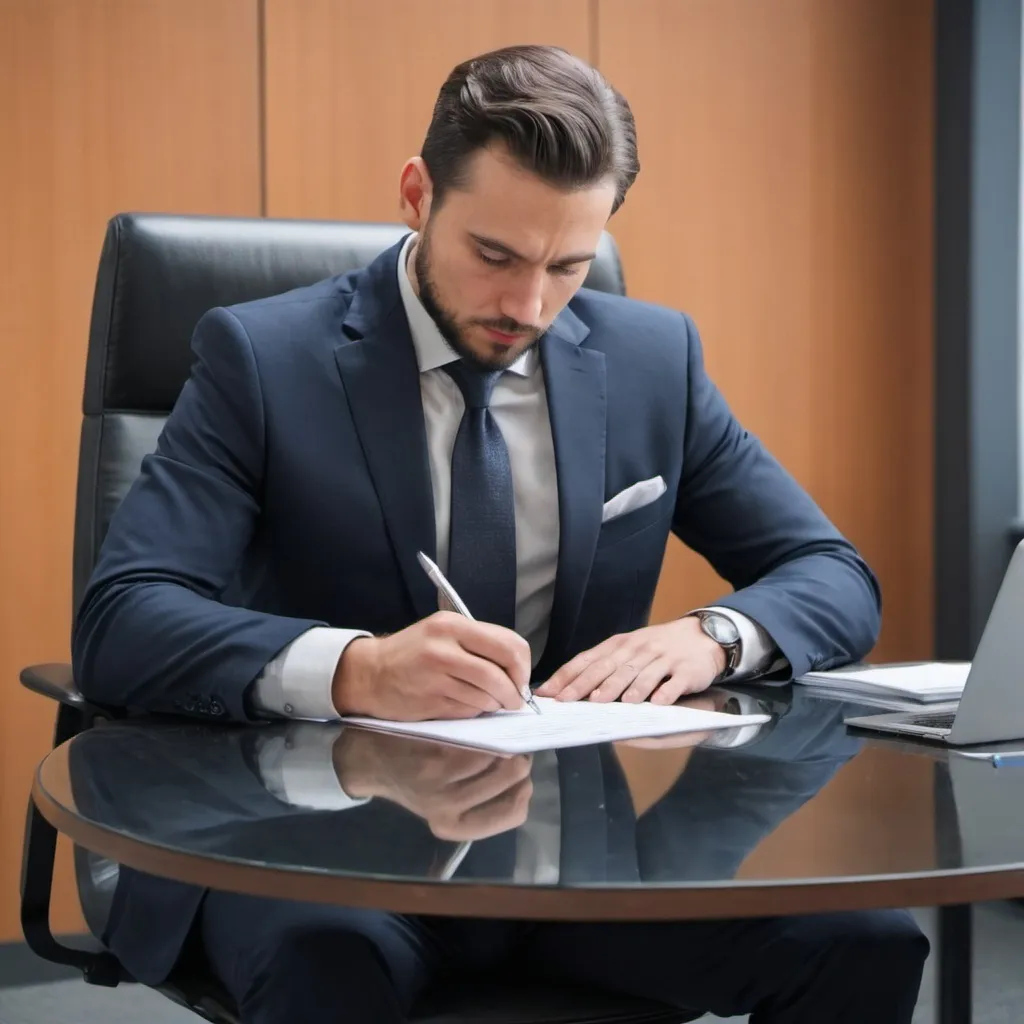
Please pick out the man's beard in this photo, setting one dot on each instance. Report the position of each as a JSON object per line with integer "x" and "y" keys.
{"x": 449, "y": 327}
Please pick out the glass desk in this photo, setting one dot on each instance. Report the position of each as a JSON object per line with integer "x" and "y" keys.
{"x": 797, "y": 816}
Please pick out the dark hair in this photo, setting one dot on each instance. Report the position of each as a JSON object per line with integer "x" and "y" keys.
{"x": 557, "y": 116}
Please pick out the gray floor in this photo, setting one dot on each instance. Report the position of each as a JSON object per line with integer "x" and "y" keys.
{"x": 998, "y": 985}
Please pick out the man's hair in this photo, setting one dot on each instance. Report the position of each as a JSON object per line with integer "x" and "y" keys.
{"x": 555, "y": 114}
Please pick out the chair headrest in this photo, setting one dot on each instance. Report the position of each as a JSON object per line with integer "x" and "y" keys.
{"x": 159, "y": 274}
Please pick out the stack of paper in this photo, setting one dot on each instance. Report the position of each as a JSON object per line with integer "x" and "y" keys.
{"x": 564, "y": 724}
{"x": 921, "y": 683}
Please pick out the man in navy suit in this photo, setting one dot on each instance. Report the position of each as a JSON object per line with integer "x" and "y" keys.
{"x": 464, "y": 397}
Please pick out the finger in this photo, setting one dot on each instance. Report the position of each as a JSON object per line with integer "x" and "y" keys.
{"x": 622, "y": 678}
{"x": 571, "y": 669}
{"x": 495, "y": 779}
{"x": 450, "y": 765}
{"x": 483, "y": 675}
{"x": 452, "y": 686}
{"x": 445, "y": 707}
{"x": 646, "y": 681}
{"x": 504, "y": 647}
{"x": 684, "y": 680}
{"x": 589, "y": 679}
{"x": 505, "y": 811}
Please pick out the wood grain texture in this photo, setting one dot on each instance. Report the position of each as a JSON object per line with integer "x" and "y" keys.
{"x": 351, "y": 86}
{"x": 785, "y": 202}
{"x": 106, "y": 105}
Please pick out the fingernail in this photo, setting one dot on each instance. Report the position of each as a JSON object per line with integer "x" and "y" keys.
{"x": 630, "y": 695}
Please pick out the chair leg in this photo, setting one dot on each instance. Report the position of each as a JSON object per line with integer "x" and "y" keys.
{"x": 36, "y": 886}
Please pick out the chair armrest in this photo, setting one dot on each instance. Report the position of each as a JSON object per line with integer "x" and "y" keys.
{"x": 54, "y": 681}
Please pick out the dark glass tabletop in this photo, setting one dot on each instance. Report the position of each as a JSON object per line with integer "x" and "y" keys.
{"x": 794, "y": 816}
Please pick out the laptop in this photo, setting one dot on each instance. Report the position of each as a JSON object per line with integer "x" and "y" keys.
{"x": 991, "y": 707}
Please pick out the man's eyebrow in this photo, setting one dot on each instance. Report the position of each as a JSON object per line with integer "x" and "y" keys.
{"x": 505, "y": 250}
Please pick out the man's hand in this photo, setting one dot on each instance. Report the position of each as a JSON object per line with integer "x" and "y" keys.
{"x": 657, "y": 663}
{"x": 461, "y": 794}
{"x": 445, "y": 666}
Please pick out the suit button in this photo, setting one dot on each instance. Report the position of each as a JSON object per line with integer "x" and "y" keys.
{"x": 288, "y": 709}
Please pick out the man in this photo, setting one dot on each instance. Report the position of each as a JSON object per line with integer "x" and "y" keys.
{"x": 462, "y": 396}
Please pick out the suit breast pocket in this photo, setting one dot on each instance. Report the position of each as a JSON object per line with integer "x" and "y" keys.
{"x": 625, "y": 526}
{"x": 625, "y": 569}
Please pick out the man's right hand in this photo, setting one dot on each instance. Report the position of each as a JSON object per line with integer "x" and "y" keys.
{"x": 444, "y": 666}
{"x": 461, "y": 794}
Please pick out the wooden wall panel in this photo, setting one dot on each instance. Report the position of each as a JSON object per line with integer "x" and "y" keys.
{"x": 351, "y": 85}
{"x": 104, "y": 106}
{"x": 785, "y": 201}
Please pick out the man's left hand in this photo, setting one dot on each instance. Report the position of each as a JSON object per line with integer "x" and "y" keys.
{"x": 657, "y": 663}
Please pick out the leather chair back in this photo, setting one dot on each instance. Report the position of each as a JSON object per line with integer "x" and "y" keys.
{"x": 158, "y": 274}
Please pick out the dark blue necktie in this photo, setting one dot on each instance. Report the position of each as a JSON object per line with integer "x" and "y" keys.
{"x": 482, "y": 541}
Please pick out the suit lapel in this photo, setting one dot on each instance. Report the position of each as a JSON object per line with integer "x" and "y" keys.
{"x": 574, "y": 378}
{"x": 380, "y": 376}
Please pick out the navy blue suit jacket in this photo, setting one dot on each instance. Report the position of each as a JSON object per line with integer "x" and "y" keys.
{"x": 291, "y": 488}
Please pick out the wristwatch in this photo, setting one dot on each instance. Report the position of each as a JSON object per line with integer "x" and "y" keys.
{"x": 723, "y": 631}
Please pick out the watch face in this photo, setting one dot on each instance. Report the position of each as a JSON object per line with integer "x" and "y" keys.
{"x": 721, "y": 630}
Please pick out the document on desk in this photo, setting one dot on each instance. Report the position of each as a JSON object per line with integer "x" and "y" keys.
{"x": 563, "y": 724}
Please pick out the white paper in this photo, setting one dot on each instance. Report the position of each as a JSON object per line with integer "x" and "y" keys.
{"x": 925, "y": 681}
{"x": 564, "y": 724}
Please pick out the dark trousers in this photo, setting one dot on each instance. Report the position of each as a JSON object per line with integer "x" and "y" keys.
{"x": 284, "y": 961}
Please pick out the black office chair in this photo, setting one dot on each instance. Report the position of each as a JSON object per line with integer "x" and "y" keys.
{"x": 157, "y": 275}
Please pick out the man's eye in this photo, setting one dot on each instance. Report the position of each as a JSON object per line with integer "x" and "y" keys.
{"x": 493, "y": 261}
{"x": 565, "y": 271}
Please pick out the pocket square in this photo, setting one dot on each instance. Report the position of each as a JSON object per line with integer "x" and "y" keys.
{"x": 632, "y": 498}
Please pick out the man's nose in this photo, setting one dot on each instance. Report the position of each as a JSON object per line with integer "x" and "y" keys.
{"x": 524, "y": 299}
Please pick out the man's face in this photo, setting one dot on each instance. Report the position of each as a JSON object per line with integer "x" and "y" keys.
{"x": 501, "y": 257}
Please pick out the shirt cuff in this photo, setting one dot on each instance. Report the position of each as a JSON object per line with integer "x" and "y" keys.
{"x": 298, "y": 682}
{"x": 737, "y": 736}
{"x": 758, "y": 652}
{"x": 297, "y": 767}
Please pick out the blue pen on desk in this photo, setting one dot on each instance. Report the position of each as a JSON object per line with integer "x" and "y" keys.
{"x": 994, "y": 757}
{"x": 448, "y": 592}
{"x": 1001, "y": 760}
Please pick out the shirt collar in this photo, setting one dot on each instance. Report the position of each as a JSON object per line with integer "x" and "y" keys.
{"x": 432, "y": 351}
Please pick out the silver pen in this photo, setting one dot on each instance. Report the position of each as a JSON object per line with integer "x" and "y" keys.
{"x": 456, "y": 604}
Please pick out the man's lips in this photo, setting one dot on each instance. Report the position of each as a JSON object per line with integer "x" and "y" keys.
{"x": 502, "y": 337}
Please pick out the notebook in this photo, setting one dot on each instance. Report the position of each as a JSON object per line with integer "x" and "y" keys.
{"x": 923, "y": 682}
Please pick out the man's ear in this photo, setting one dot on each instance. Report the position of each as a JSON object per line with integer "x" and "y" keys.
{"x": 415, "y": 191}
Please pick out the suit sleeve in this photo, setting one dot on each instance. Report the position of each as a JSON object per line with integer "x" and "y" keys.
{"x": 155, "y": 630}
{"x": 793, "y": 572}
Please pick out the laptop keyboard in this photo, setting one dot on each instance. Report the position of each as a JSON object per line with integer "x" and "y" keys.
{"x": 936, "y": 719}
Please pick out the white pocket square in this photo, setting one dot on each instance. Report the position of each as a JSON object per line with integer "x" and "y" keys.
{"x": 632, "y": 498}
